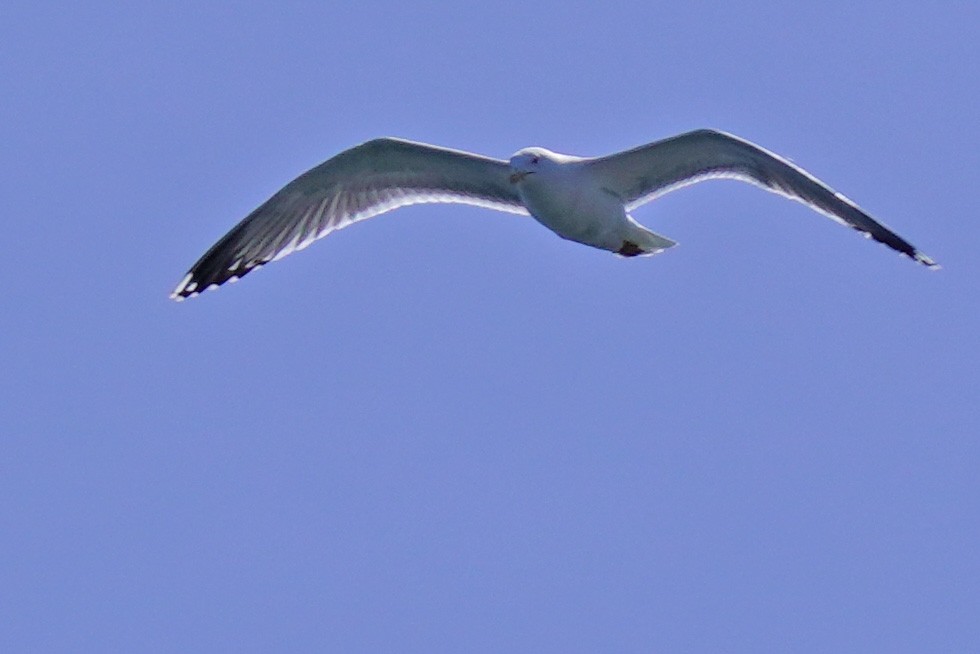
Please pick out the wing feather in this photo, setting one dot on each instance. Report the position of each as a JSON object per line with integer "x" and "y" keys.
{"x": 359, "y": 183}
{"x": 647, "y": 172}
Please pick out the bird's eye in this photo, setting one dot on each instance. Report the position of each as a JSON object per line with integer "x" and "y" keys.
{"x": 534, "y": 160}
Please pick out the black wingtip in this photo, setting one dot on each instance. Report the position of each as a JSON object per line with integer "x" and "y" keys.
{"x": 894, "y": 241}
{"x": 200, "y": 279}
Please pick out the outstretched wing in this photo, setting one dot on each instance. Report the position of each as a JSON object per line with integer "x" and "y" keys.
{"x": 365, "y": 181}
{"x": 646, "y": 172}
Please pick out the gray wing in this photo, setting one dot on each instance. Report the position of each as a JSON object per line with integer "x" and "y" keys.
{"x": 644, "y": 173}
{"x": 365, "y": 181}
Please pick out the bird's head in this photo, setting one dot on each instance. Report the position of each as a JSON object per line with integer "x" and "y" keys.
{"x": 531, "y": 161}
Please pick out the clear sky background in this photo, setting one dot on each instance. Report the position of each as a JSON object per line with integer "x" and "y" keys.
{"x": 446, "y": 429}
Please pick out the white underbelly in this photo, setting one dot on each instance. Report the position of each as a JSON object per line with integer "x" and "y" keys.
{"x": 587, "y": 215}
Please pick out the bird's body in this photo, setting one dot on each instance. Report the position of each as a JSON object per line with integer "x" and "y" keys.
{"x": 562, "y": 195}
{"x": 586, "y": 200}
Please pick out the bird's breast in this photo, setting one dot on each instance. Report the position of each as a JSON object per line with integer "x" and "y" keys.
{"x": 571, "y": 206}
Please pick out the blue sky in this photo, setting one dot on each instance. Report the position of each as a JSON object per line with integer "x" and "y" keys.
{"x": 446, "y": 429}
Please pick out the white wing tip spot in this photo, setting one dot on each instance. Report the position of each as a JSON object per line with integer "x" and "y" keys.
{"x": 176, "y": 295}
{"x": 927, "y": 261}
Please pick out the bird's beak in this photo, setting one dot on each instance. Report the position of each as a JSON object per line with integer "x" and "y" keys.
{"x": 518, "y": 176}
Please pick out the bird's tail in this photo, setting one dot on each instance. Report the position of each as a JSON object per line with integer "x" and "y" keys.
{"x": 650, "y": 242}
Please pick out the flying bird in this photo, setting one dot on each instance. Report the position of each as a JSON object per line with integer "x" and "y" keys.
{"x": 582, "y": 199}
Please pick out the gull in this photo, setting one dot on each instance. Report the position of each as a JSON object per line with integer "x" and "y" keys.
{"x": 581, "y": 199}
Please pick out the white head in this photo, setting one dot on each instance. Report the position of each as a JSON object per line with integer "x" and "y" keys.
{"x": 530, "y": 161}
